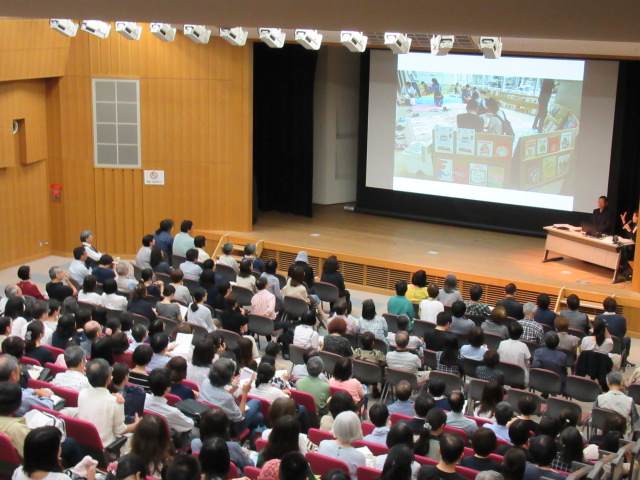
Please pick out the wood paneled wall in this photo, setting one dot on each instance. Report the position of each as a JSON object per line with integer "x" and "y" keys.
{"x": 196, "y": 119}
{"x": 30, "y": 49}
{"x": 24, "y": 194}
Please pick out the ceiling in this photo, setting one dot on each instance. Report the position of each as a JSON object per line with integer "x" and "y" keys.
{"x": 569, "y": 27}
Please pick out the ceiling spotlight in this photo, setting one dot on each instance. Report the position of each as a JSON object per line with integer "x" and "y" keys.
{"x": 197, "y": 33}
{"x": 491, "y": 47}
{"x": 397, "y": 42}
{"x": 65, "y": 26}
{"x": 309, "y": 39}
{"x": 163, "y": 31}
{"x": 96, "y": 27}
{"x": 354, "y": 41}
{"x": 441, "y": 44}
{"x": 130, "y": 30}
{"x": 235, "y": 36}
{"x": 274, "y": 37}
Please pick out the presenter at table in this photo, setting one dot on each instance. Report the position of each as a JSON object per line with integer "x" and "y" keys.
{"x": 601, "y": 218}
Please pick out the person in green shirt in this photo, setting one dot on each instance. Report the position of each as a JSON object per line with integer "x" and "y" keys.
{"x": 401, "y": 305}
{"x": 313, "y": 385}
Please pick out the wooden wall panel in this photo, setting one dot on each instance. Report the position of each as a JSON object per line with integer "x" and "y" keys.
{"x": 29, "y": 49}
{"x": 194, "y": 103}
{"x": 24, "y": 191}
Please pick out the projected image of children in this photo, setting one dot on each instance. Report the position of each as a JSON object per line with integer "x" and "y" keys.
{"x": 499, "y": 125}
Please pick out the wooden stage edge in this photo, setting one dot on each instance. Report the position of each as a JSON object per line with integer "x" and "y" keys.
{"x": 375, "y": 252}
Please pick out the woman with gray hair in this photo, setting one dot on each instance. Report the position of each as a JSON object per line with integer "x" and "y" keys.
{"x": 347, "y": 429}
{"x": 449, "y": 292}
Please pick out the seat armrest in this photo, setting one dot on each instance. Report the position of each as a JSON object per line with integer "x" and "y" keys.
{"x": 115, "y": 446}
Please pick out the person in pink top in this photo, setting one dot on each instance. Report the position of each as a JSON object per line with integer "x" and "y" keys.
{"x": 342, "y": 379}
{"x": 263, "y": 302}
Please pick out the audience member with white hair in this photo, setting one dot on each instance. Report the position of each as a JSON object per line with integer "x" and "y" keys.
{"x": 532, "y": 331}
{"x": 347, "y": 429}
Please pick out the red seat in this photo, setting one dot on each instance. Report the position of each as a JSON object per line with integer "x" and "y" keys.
{"x": 87, "y": 436}
{"x": 264, "y": 407}
{"x": 338, "y": 389}
{"x": 305, "y": 399}
{"x": 374, "y": 448}
{"x": 425, "y": 460}
{"x": 55, "y": 350}
{"x": 192, "y": 385}
{"x": 458, "y": 432}
{"x": 316, "y": 435}
{"x": 367, "y": 428}
{"x": 55, "y": 369}
{"x": 468, "y": 452}
{"x": 501, "y": 442}
{"x": 9, "y": 458}
{"x": 396, "y": 417}
{"x": 466, "y": 472}
{"x": 260, "y": 444}
{"x": 29, "y": 361}
{"x": 366, "y": 473}
{"x": 252, "y": 473}
{"x": 479, "y": 421}
{"x": 233, "y": 471}
{"x": 321, "y": 464}
{"x": 70, "y": 396}
{"x": 172, "y": 399}
{"x": 125, "y": 357}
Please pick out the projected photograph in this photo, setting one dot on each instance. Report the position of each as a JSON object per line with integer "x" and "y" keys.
{"x": 510, "y": 123}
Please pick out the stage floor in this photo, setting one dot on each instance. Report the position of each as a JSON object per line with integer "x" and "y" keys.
{"x": 515, "y": 258}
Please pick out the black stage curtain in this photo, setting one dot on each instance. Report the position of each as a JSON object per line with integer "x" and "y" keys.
{"x": 624, "y": 177}
{"x": 283, "y": 127}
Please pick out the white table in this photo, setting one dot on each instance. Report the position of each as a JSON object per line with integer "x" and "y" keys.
{"x": 573, "y": 243}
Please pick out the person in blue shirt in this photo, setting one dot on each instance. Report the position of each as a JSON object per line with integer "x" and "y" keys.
{"x": 543, "y": 314}
{"x": 163, "y": 237}
{"x": 616, "y": 324}
{"x": 403, "y": 405}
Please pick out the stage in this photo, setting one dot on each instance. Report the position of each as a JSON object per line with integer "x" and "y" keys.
{"x": 377, "y": 251}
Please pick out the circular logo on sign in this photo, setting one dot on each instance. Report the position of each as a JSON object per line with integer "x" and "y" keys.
{"x": 154, "y": 175}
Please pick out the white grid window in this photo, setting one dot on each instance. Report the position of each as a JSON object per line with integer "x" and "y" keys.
{"x": 116, "y": 123}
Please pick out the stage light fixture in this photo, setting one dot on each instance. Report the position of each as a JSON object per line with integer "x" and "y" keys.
{"x": 491, "y": 47}
{"x": 163, "y": 31}
{"x": 197, "y": 33}
{"x": 355, "y": 41}
{"x": 96, "y": 27}
{"x": 274, "y": 37}
{"x": 236, "y": 36}
{"x": 64, "y": 26}
{"x": 397, "y": 42}
{"x": 442, "y": 44}
{"x": 309, "y": 39}
{"x": 130, "y": 30}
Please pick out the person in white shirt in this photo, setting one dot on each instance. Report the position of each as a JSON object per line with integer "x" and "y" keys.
{"x": 110, "y": 299}
{"x": 415, "y": 343}
{"x": 96, "y": 404}
{"x": 616, "y": 400}
{"x": 264, "y": 302}
{"x": 14, "y": 309}
{"x": 86, "y": 237}
{"x": 144, "y": 254}
{"x": 403, "y": 359}
{"x": 139, "y": 333}
{"x": 78, "y": 268}
{"x": 515, "y": 351}
{"x": 304, "y": 335}
{"x": 156, "y": 401}
{"x": 87, "y": 294}
{"x": 125, "y": 283}
{"x": 430, "y": 307}
{"x": 198, "y": 313}
{"x": 182, "y": 242}
{"x": 74, "y": 378}
{"x": 227, "y": 259}
{"x": 263, "y": 388}
{"x": 190, "y": 268}
{"x": 200, "y": 242}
